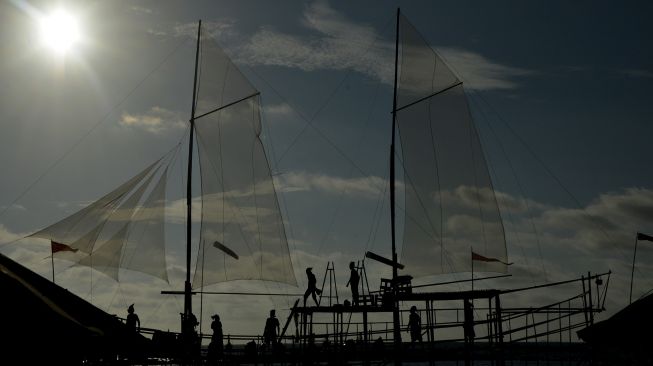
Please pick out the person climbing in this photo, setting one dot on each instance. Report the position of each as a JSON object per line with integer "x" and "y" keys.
{"x": 271, "y": 329}
{"x": 312, "y": 287}
{"x": 133, "y": 323}
{"x": 354, "y": 279}
{"x": 414, "y": 325}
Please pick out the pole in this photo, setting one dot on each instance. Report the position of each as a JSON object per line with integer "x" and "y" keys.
{"x": 632, "y": 273}
{"x": 188, "y": 305}
{"x": 471, "y": 256}
{"x": 52, "y": 259}
{"x": 395, "y": 310}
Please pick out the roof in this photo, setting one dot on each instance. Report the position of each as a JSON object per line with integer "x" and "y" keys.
{"x": 629, "y": 326}
{"x": 43, "y": 321}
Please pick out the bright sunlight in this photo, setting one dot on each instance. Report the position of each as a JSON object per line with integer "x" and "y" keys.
{"x": 59, "y": 31}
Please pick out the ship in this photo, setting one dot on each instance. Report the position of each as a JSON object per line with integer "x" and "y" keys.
{"x": 242, "y": 237}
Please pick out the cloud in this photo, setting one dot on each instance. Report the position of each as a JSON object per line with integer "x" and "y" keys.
{"x": 278, "y": 110}
{"x": 220, "y": 30}
{"x": 478, "y": 72}
{"x": 331, "y": 41}
{"x": 141, "y": 9}
{"x": 156, "y": 120}
{"x": 637, "y": 73}
{"x": 14, "y": 206}
{"x": 366, "y": 187}
{"x": 340, "y": 44}
{"x": 336, "y": 44}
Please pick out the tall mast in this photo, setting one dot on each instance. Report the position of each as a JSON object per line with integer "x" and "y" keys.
{"x": 188, "y": 304}
{"x": 395, "y": 311}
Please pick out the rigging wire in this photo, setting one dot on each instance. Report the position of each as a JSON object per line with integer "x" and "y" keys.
{"x": 521, "y": 190}
{"x": 92, "y": 129}
{"x": 550, "y": 172}
{"x": 310, "y": 121}
{"x": 539, "y": 247}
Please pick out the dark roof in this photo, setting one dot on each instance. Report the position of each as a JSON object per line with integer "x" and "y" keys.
{"x": 43, "y": 321}
{"x": 629, "y": 326}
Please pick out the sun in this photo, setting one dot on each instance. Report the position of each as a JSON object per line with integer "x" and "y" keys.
{"x": 60, "y": 31}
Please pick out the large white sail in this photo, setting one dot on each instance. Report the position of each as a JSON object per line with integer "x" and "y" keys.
{"x": 451, "y": 208}
{"x": 240, "y": 210}
{"x": 239, "y": 204}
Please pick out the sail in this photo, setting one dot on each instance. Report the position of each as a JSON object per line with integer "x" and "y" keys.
{"x": 145, "y": 248}
{"x": 120, "y": 230}
{"x": 240, "y": 209}
{"x": 450, "y": 205}
{"x": 77, "y": 226}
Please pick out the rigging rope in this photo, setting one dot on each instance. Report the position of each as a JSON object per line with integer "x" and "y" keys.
{"x": 92, "y": 129}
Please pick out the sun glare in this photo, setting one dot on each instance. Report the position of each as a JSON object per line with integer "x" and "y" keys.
{"x": 60, "y": 31}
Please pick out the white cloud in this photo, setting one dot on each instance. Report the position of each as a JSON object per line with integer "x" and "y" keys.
{"x": 156, "y": 120}
{"x": 334, "y": 42}
{"x": 278, "y": 110}
{"x": 366, "y": 187}
{"x": 638, "y": 73}
{"x": 340, "y": 44}
{"x": 141, "y": 9}
{"x": 477, "y": 72}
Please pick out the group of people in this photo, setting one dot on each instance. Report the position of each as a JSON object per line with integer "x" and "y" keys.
{"x": 312, "y": 290}
{"x": 272, "y": 326}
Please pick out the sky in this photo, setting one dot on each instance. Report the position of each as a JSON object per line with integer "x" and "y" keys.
{"x": 559, "y": 92}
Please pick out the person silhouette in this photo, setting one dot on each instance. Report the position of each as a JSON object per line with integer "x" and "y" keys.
{"x": 133, "y": 323}
{"x": 312, "y": 286}
{"x": 468, "y": 326}
{"x": 271, "y": 329}
{"x": 354, "y": 279}
{"x": 414, "y": 325}
{"x": 215, "y": 347}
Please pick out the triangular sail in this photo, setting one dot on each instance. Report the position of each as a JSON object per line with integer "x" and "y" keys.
{"x": 79, "y": 224}
{"x": 239, "y": 204}
{"x": 145, "y": 249}
{"x": 450, "y": 202}
{"x": 100, "y": 231}
{"x": 106, "y": 258}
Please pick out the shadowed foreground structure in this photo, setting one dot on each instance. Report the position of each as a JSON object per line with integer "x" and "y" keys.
{"x": 44, "y": 322}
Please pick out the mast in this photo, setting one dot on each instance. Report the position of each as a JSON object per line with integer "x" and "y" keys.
{"x": 395, "y": 310}
{"x": 188, "y": 304}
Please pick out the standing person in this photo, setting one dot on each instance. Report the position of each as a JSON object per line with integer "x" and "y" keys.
{"x": 469, "y": 321}
{"x": 354, "y": 279}
{"x": 133, "y": 323}
{"x": 312, "y": 286}
{"x": 271, "y": 329}
{"x": 215, "y": 347}
{"x": 414, "y": 325}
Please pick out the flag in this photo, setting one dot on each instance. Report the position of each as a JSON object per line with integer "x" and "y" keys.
{"x": 59, "y": 247}
{"x": 641, "y": 236}
{"x": 478, "y": 257}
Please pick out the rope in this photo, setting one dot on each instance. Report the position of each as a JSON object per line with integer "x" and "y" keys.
{"x": 92, "y": 129}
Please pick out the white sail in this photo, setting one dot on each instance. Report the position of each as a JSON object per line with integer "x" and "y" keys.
{"x": 451, "y": 208}
{"x": 239, "y": 203}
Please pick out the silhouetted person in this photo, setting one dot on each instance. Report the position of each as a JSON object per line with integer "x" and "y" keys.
{"x": 414, "y": 325}
{"x": 312, "y": 286}
{"x": 271, "y": 329}
{"x": 469, "y": 321}
{"x": 191, "y": 339}
{"x": 133, "y": 323}
{"x": 354, "y": 279}
{"x": 215, "y": 347}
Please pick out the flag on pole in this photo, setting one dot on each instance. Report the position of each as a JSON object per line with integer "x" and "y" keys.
{"x": 478, "y": 257}
{"x": 641, "y": 236}
{"x": 60, "y": 247}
